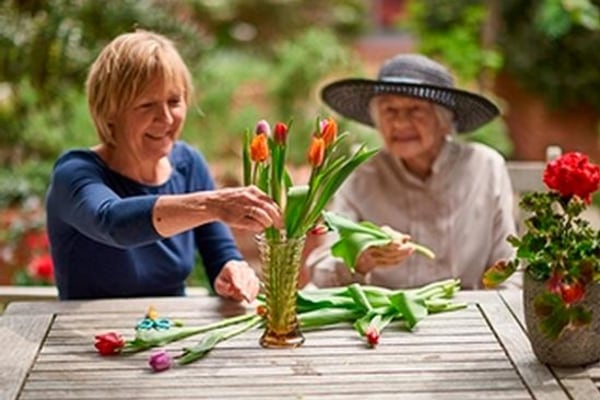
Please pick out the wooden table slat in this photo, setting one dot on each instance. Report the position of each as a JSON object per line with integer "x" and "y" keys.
{"x": 20, "y": 339}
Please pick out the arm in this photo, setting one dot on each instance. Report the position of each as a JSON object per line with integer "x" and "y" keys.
{"x": 82, "y": 199}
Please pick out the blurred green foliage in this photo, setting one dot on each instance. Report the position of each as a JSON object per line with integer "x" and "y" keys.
{"x": 250, "y": 59}
{"x": 539, "y": 42}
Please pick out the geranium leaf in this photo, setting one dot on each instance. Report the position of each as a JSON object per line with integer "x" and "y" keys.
{"x": 580, "y": 316}
{"x": 498, "y": 273}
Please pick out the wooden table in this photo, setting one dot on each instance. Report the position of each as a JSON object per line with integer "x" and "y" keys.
{"x": 481, "y": 352}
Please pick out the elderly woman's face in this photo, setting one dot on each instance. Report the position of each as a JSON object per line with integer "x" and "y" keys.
{"x": 410, "y": 127}
{"x": 148, "y": 128}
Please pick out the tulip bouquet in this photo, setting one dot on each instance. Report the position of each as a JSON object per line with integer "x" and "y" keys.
{"x": 559, "y": 247}
{"x": 369, "y": 309}
{"x": 264, "y": 159}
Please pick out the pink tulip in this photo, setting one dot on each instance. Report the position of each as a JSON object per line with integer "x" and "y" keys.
{"x": 160, "y": 360}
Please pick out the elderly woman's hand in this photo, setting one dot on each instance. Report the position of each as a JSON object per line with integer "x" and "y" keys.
{"x": 246, "y": 208}
{"x": 237, "y": 281}
{"x": 388, "y": 255}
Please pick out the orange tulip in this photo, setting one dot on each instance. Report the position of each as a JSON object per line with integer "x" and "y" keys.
{"x": 316, "y": 152}
{"x": 329, "y": 130}
{"x": 259, "y": 148}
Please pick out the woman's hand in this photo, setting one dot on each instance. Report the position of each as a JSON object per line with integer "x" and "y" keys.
{"x": 245, "y": 208}
{"x": 237, "y": 281}
{"x": 388, "y": 255}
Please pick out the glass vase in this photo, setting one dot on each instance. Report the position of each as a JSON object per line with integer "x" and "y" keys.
{"x": 281, "y": 263}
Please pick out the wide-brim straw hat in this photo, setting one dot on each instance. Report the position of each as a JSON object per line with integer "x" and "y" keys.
{"x": 411, "y": 75}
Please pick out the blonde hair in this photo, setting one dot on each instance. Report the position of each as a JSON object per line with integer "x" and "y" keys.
{"x": 125, "y": 68}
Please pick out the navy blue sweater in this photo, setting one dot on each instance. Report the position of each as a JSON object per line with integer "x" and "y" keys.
{"x": 102, "y": 239}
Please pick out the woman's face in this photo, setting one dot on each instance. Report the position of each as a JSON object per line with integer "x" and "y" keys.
{"x": 147, "y": 129}
{"x": 410, "y": 127}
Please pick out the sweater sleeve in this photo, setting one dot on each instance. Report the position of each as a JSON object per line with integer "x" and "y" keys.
{"x": 80, "y": 197}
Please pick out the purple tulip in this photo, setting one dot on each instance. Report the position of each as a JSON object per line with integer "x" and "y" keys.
{"x": 160, "y": 360}
{"x": 263, "y": 127}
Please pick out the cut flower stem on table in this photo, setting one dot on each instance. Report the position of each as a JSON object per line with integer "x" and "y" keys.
{"x": 369, "y": 309}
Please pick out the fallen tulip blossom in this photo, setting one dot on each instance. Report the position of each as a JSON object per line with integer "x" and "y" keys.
{"x": 109, "y": 343}
{"x": 160, "y": 360}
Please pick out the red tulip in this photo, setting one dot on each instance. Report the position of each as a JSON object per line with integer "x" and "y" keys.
{"x": 109, "y": 343}
{"x": 372, "y": 335}
{"x": 280, "y": 133}
{"x": 319, "y": 229}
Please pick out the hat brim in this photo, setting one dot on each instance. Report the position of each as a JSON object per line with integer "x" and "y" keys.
{"x": 351, "y": 98}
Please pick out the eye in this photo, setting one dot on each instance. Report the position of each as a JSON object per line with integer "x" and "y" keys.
{"x": 175, "y": 101}
{"x": 145, "y": 105}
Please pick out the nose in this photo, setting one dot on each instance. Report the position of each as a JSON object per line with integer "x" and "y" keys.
{"x": 400, "y": 118}
{"x": 164, "y": 114}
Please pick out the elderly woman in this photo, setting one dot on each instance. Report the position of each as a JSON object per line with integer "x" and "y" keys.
{"x": 451, "y": 196}
{"x": 126, "y": 217}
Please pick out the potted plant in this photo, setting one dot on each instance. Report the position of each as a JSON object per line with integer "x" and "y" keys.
{"x": 560, "y": 255}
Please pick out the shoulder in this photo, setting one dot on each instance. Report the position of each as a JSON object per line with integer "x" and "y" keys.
{"x": 368, "y": 175}
{"x": 480, "y": 156}
{"x": 187, "y": 160}
{"x": 78, "y": 162}
{"x": 183, "y": 153}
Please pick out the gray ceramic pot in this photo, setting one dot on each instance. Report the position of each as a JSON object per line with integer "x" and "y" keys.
{"x": 574, "y": 347}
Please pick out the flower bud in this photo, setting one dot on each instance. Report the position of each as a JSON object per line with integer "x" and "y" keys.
{"x": 109, "y": 343}
{"x": 259, "y": 148}
{"x": 329, "y": 130}
{"x": 372, "y": 336}
{"x": 160, "y": 360}
{"x": 316, "y": 152}
{"x": 262, "y": 127}
{"x": 280, "y": 133}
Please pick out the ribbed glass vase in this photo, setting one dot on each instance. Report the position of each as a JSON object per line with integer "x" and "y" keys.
{"x": 281, "y": 260}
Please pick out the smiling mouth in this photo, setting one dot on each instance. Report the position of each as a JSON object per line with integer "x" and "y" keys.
{"x": 158, "y": 137}
{"x": 402, "y": 139}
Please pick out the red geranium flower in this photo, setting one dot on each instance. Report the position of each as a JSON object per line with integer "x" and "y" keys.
{"x": 572, "y": 174}
{"x": 41, "y": 268}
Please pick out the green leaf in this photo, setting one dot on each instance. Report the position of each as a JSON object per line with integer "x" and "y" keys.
{"x": 359, "y": 297}
{"x": 312, "y": 300}
{"x": 212, "y": 338}
{"x": 356, "y": 237}
{"x": 327, "y": 316}
{"x": 412, "y": 308}
{"x": 352, "y": 244}
{"x": 296, "y": 197}
{"x": 247, "y": 164}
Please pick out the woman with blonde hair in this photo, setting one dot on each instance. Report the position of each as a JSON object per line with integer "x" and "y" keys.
{"x": 126, "y": 217}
